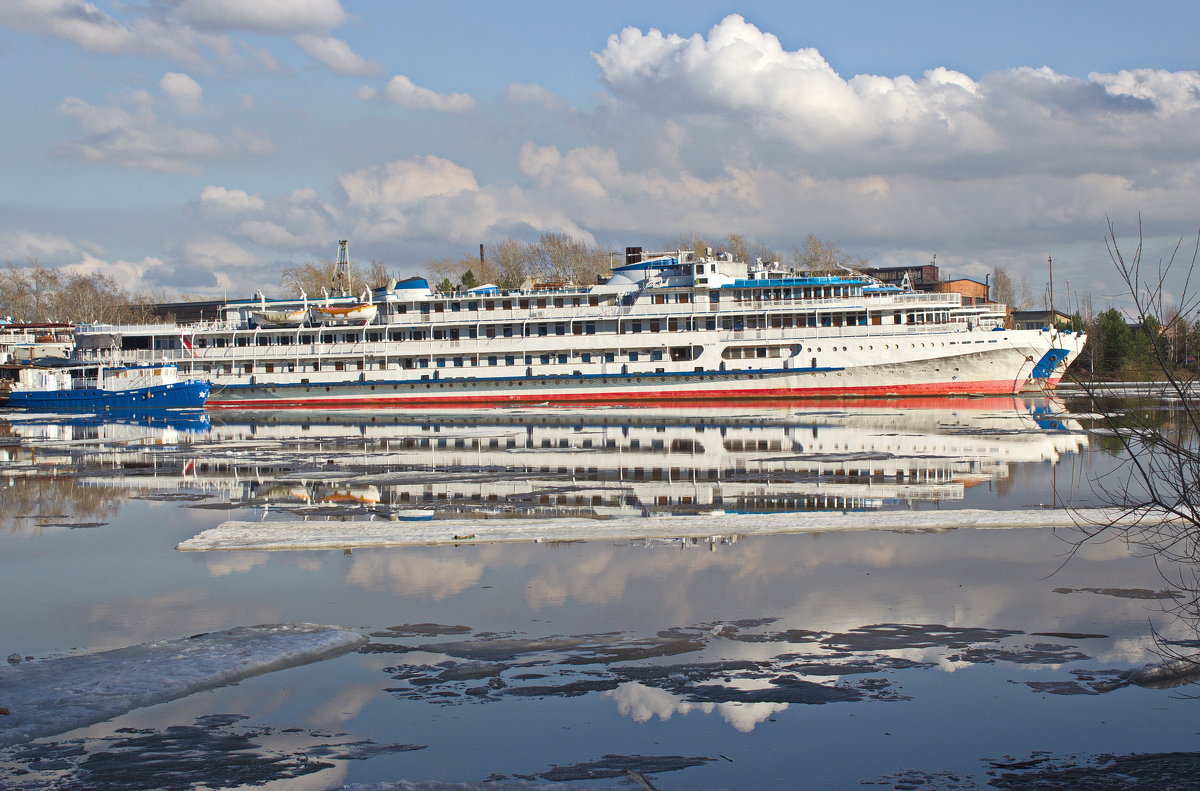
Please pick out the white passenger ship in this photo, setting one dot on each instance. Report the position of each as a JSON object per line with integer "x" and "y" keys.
{"x": 663, "y": 326}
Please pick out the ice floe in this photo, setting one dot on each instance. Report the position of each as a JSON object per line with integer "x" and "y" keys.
{"x": 235, "y": 535}
{"x": 56, "y": 695}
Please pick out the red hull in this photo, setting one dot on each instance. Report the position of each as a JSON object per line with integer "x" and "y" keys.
{"x": 599, "y": 397}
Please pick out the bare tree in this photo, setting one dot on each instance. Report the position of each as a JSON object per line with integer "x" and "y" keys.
{"x": 313, "y": 276}
{"x": 1158, "y": 483}
{"x": 1002, "y": 288}
{"x": 34, "y": 293}
{"x": 819, "y": 255}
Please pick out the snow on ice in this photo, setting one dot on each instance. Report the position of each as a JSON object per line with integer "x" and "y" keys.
{"x": 235, "y": 535}
{"x": 56, "y": 695}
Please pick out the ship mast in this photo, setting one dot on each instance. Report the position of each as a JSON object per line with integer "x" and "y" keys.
{"x": 342, "y": 272}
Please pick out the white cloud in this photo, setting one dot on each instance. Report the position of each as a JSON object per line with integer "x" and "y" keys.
{"x": 263, "y": 16}
{"x": 192, "y": 33}
{"x": 221, "y": 201}
{"x": 402, "y": 91}
{"x": 296, "y": 221}
{"x": 337, "y": 55}
{"x": 145, "y": 275}
{"x": 215, "y": 253}
{"x": 47, "y": 249}
{"x": 526, "y": 93}
{"x": 406, "y": 181}
{"x": 138, "y": 139}
{"x": 739, "y": 85}
{"x": 184, "y": 92}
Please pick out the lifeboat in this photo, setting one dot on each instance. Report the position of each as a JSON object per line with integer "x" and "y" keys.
{"x": 345, "y": 314}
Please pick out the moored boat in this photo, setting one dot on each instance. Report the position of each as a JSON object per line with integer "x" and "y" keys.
{"x": 100, "y": 387}
{"x": 345, "y": 314}
{"x": 664, "y": 326}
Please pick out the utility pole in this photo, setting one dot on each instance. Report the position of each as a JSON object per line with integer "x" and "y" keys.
{"x": 1053, "y": 322}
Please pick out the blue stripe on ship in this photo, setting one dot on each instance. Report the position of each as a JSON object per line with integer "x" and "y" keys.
{"x": 1048, "y": 364}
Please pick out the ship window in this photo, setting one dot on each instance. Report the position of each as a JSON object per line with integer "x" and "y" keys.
{"x": 558, "y": 302}
{"x": 633, "y": 356}
{"x": 609, "y": 357}
{"x": 714, "y": 296}
{"x": 562, "y": 359}
{"x": 542, "y": 329}
{"x": 458, "y": 361}
{"x": 560, "y": 329}
{"x": 491, "y": 360}
{"x": 545, "y": 359}
{"x": 656, "y": 354}
{"x": 593, "y": 300}
{"x": 585, "y": 357}
{"x": 510, "y": 360}
{"x": 507, "y": 331}
{"x": 441, "y": 362}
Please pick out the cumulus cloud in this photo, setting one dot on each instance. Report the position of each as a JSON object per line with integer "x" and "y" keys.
{"x": 406, "y": 181}
{"x": 404, "y": 92}
{"x": 45, "y": 248}
{"x": 138, "y": 139}
{"x": 298, "y": 220}
{"x": 263, "y": 16}
{"x": 740, "y": 84}
{"x": 526, "y": 93}
{"x": 337, "y": 55}
{"x": 147, "y": 274}
{"x": 192, "y": 32}
{"x": 155, "y": 35}
{"x": 226, "y": 202}
{"x": 184, "y": 92}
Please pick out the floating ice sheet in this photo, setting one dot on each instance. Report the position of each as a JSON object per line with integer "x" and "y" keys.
{"x": 235, "y": 535}
{"x": 56, "y": 695}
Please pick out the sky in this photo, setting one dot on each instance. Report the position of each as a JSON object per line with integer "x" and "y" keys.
{"x": 198, "y": 147}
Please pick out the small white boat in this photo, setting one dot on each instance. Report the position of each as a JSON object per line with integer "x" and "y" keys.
{"x": 345, "y": 314}
{"x": 280, "y": 318}
{"x": 293, "y": 317}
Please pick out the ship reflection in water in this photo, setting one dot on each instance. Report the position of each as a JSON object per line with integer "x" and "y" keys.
{"x": 894, "y": 656}
{"x": 602, "y": 462}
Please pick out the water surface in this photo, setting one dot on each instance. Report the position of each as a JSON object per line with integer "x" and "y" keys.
{"x": 945, "y": 659}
